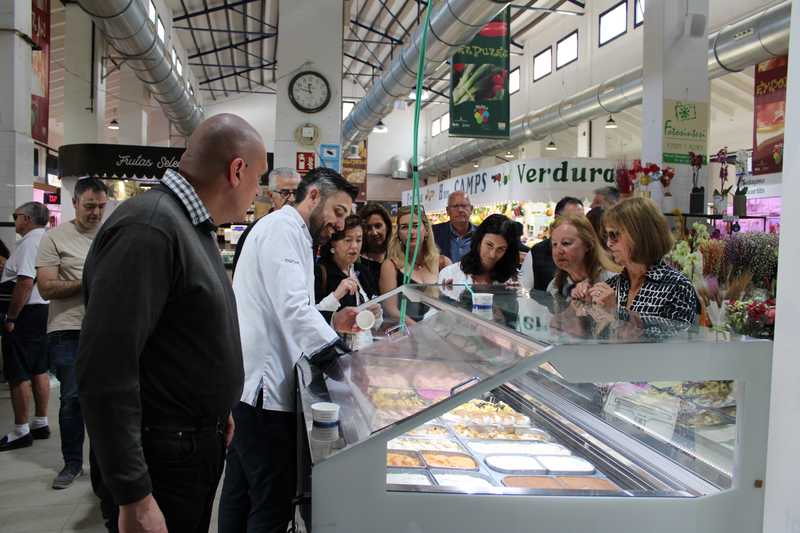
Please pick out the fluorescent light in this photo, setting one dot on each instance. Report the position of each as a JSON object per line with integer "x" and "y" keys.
{"x": 113, "y": 125}
{"x": 380, "y": 127}
{"x": 611, "y": 124}
{"x": 551, "y": 147}
{"x": 475, "y": 164}
{"x": 413, "y": 95}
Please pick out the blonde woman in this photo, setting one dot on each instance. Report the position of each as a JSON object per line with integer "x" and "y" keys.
{"x": 580, "y": 259}
{"x": 426, "y": 269}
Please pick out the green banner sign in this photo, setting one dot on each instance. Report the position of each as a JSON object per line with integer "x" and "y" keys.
{"x": 479, "y": 100}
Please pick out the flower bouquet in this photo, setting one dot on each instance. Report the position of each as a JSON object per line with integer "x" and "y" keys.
{"x": 756, "y": 253}
{"x": 625, "y": 179}
{"x": 754, "y": 317}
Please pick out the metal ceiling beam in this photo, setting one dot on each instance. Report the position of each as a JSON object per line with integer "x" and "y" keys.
{"x": 519, "y": 33}
{"x": 247, "y": 57}
{"x": 370, "y": 41}
{"x": 215, "y": 65}
{"x": 394, "y": 17}
{"x": 207, "y": 10}
{"x": 363, "y": 62}
{"x": 196, "y": 45}
{"x": 231, "y": 74}
{"x": 233, "y": 45}
{"x": 245, "y": 91}
{"x": 394, "y": 40}
{"x": 239, "y": 11}
{"x": 214, "y": 44}
{"x": 365, "y": 45}
{"x": 233, "y": 56}
{"x": 214, "y": 30}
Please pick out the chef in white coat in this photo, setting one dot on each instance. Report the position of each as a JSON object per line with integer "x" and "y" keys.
{"x": 279, "y": 324}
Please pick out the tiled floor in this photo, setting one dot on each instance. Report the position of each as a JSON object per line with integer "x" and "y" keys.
{"x": 27, "y": 501}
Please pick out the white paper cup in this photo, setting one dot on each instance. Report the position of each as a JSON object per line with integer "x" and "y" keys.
{"x": 365, "y": 319}
{"x": 324, "y": 412}
{"x": 321, "y": 448}
{"x": 327, "y": 433}
{"x": 482, "y": 301}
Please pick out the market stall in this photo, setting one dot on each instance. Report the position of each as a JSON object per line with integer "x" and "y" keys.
{"x": 525, "y": 190}
{"x": 536, "y": 415}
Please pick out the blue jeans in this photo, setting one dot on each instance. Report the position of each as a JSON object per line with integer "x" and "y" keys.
{"x": 62, "y": 347}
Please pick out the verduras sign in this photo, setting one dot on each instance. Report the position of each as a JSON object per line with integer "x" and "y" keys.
{"x": 524, "y": 180}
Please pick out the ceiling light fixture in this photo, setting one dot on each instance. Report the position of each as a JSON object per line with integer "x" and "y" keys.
{"x": 509, "y": 155}
{"x": 611, "y": 124}
{"x": 380, "y": 127}
{"x": 475, "y": 164}
{"x": 113, "y": 125}
{"x": 551, "y": 147}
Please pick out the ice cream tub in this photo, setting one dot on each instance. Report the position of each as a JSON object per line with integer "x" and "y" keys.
{"x": 566, "y": 465}
{"x": 468, "y": 481}
{"x": 404, "y": 476}
{"x": 404, "y": 459}
{"x": 515, "y": 464}
{"x": 449, "y": 460}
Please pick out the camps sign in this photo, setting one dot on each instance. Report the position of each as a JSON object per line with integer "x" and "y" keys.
{"x": 527, "y": 180}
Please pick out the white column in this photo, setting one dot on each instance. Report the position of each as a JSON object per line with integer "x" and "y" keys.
{"x": 599, "y": 132}
{"x": 132, "y": 113}
{"x": 157, "y": 128}
{"x": 16, "y": 144}
{"x": 781, "y": 512}
{"x": 81, "y": 122}
{"x": 313, "y": 43}
{"x": 584, "y": 139}
{"x": 675, "y": 68}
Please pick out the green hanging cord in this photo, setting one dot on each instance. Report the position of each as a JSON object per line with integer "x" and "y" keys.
{"x": 408, "y": 269}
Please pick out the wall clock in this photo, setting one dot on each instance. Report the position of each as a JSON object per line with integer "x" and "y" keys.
{"x": 309, "y": 91}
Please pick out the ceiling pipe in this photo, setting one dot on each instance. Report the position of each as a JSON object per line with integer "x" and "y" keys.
{"x": 126, "y": 27}
{"x": 453, "y": 24}
{"x": 732, "y": 49}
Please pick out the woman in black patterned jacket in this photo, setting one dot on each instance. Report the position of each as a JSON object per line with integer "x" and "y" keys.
{"x": 638, "y": 238}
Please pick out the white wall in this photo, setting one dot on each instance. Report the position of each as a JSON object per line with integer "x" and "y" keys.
{"x": 597, "y": 64}
{"x": 257, "y": 109}
{"x": 398, "y": 140}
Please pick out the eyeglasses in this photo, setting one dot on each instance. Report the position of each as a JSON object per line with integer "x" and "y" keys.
{"x": 613, "y": 235}
{"x": 460, "y": 206}
{"x": 286, "y": 193}
{"x": 15, "y": 216}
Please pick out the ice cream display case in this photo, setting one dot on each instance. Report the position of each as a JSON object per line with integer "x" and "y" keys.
{"x": 536, "y": 414}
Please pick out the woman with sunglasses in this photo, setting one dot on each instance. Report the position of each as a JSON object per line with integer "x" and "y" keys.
{"x": 638, "y": 238}
{"x": 579, "y": 257}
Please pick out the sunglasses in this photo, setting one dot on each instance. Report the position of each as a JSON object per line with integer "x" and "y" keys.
{"x": 613, "y": 235}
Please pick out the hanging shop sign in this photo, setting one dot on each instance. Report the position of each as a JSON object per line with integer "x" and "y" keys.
{"x": 354, "y": 168}
{"x": 304, "y": 162}
{"x": 524, "y": 180}
{"x": 770, "y": 108}
{"x": 40, "y": 80}
{"x": 479, "y": 100}
{"x": 117, "y": 161}
{"x": 763, "y": 185}
{"x": 685, "y": 130}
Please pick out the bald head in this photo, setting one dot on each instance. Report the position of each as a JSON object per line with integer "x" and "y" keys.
{"x": 215, "y": 143}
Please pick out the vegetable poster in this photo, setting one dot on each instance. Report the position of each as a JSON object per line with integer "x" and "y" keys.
{"x": 770, "y": 107}
{"x": 479, "y": 101}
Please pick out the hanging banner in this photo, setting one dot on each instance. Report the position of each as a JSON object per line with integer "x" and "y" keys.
{"x": 354, "y": 168}
{"x": 770, "y": 108}
{"x": 40, "y": 81}
{"x": 685, "y": 130}
{"x": 534, "y": 180}
{"x": 117, "y": 161}
{"x": 479, "y": 100}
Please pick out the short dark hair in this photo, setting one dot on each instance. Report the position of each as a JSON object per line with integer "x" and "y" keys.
{"x": 564, "y": 202}
{"x": 89, "y": 184}
{"x": 328, "y": 181}
{"x": 611, "y": 194}
{"x": 506, "y": 267}
{"x": 4, "y": 251}
{"x": 374, "y": 208}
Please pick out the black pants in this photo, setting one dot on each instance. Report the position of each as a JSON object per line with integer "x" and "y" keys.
{"x": 260, "y": 475}
{"x": 185, "y": 468}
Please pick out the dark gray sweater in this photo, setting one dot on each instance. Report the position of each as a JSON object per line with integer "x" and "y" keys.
{"x": 160, "y": 342}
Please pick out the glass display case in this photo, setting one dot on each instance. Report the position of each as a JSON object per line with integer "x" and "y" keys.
{"x": 493, "y": 410}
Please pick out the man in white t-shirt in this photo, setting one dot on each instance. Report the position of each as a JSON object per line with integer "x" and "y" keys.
{"x": 24, "y": 331}
{"x": 59, "y": 265}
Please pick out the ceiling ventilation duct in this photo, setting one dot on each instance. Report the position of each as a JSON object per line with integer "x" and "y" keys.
{"x": 128, "y": 30}
{"x": 453, "y": 24}
{"x": 734, "y": 48}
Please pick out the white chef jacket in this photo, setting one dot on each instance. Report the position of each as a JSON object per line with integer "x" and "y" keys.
{"x": 278, "y": 322}
{"x": 23, "y": 263}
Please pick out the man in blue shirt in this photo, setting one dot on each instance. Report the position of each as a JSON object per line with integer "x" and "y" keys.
{"x": 454, "y": 237}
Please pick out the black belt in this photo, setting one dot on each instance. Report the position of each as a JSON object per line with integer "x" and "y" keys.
{"x": 186, "y": 425}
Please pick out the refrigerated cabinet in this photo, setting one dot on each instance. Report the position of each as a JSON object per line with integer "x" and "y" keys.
{"x": 538, "y": 415}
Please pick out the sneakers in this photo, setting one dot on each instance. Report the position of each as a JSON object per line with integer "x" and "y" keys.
{"x": 67, "y": 476}
{"x": 22, "y": 442}
{"x": 41, "y": 433}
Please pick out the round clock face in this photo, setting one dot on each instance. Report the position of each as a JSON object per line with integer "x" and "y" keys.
{"x": 309, "y": 92}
